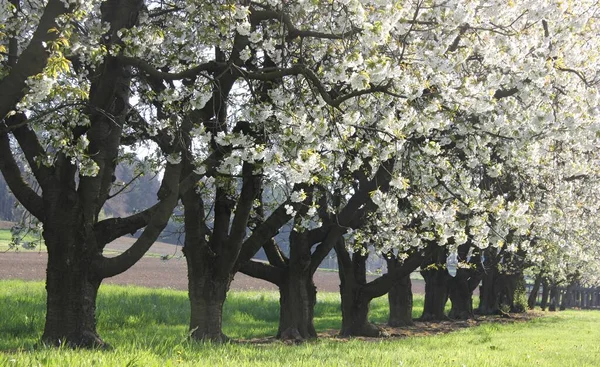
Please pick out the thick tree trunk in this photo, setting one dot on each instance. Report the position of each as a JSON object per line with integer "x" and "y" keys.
{"x": 355, "y": 303}
{"x": 461, "y": 295}
{"x": 355, "y": 311}
{"x": 489, "y": 294}
{"x": 71, "y": 305}
{"x": 510, "y": 285}
{"x": 71, "y": 292}
{"x": 400, "y": 299}
{"x": 298, "y": 296}
{"x": 436, "y": 294}
{"x": 532, "y": 300}
{"x": 207, "y": 294}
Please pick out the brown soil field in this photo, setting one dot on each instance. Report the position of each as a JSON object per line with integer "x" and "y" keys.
{"x": 6, "y": 225}
{"x": 152, "y": 271}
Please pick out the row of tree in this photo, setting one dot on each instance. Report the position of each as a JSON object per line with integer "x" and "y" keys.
{"x": 458, "y": 137}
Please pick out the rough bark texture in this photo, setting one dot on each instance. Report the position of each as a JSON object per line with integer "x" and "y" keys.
{"x": 207, "y": 284}
{"x": 355, "y": 302}
{"x": 207, "y": 296}
{"x": 71, "y": 297}
{"x": 489, "y": 291}
{"x": 400, "y": 299}
{"x": 356, "y": 293}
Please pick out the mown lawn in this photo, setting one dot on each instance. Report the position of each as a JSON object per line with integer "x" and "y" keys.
{"x": 148, "y": 327}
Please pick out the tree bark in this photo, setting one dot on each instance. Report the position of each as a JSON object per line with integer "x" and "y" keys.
{"x": 545, "y": 294}
{"x": 71, "y": 298}
{"x": 532, "y": 300}
{"x": 400, "y": 298}
{"x": 436, "y": 294}
{"x": 354, "y": 301}
{"x": 461, "y": 290}
{"x": 462, "y": 286}
{"x": 207, "y": 296}
{"x": 297, "y": 292}
{"x": 298, "y": 296}
{"x": 489, "y": 294}
{"x": 436, "y": 286}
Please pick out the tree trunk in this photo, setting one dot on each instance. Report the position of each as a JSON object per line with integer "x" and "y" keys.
{"x": 71, "y": 293}
{"x": 298, "y": 296}
{"x": 545, "y": 294}
{"x": 511, "y": 285}
{"x": 70, "y": 307}
{"x": 355, "y": 311}
{"x": 532, "y": 300}
{"x": 554, "y": 297}
{"x": 400, "y": 299}
{"x": 461, "y": 296}
{"x": 355, "y": 303}
{"x": 207, "y": 294}
{"x": 436, "y": 294}
{"x": 489, "y": 295}
{"x": 207, "y": 297}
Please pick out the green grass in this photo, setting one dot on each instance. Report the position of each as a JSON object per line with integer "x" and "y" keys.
{"x": 148, "y": 327}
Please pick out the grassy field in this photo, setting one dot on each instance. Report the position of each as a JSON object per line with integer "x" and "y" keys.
{"x": 147, "y": 327}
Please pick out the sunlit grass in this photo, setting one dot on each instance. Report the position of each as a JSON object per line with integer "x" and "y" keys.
{"x": 148, "y": 327}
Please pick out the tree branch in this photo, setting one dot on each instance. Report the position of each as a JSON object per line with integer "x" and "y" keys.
{"x": 32, "y": 60}
{"x": 30, "y": 146}
{"x": 110, "y": 229}
{"x": 262, "y": 271}
{"x": 169, "y": 194}
{"x": 13, "y": 177}
{"x": 211, "y": 66}
{"x": 265, "y": 231}
{"x": 380, "y": 286}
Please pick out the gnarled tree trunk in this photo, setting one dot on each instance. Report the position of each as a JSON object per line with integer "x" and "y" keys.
{"x": 462, "y": 286}
{"x": 532, "y": 300}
